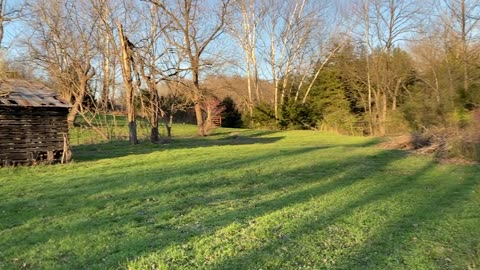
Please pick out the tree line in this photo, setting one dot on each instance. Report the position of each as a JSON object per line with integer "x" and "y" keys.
{"x": 369, "y": 67}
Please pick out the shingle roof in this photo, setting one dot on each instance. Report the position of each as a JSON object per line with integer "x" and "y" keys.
{"x": 20, "y": 93}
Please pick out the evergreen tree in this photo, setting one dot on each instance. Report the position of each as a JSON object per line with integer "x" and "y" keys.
{"x": 231, "y": 117}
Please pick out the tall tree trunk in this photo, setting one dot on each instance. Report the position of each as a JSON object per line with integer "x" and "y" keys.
{"x": 154, "y": 101}
{"x": 169, "y": 126}
{"x": 274, "y": 74}
{"x": 275, "y": 83}
{"x": 106, "y": 65}
{"x": 198, "y": 109}
{"x": 199, "y": 117}
{"x": 383, "y": 118}
{"x": 371, "y": 124}
{"x": 126, "y": 60}
{"x": 249, "y": 87}
{"x": 258, "y": 91}
{"x": 79, "y": 96}
{"x": 113, "y": 87}
{"x": 72, "y": 114}
{"x": 395, "y": 94}
{"x": 464, "y": 49}
{"x": 369, "y": 100}
{"x": 84, "y": 76}
{"x": 106, "y": 76}
{"x": 284, "y": 88}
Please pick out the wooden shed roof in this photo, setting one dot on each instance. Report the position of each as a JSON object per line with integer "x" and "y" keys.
{"x": 20, "y": 93}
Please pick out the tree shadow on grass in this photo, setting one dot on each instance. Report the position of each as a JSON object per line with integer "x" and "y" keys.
{"x": 288, "y": 193}
{"x": 161, "y": 212}
{"x": 114, "y": 149}
{"x": 260, "y": 257}
{"x": 386, "y": 248}
{"x": 108, "y": 150}
{"x": 101, "y": 184}
{"x": 394, "y": 245}
{"x": 355, "y": 173}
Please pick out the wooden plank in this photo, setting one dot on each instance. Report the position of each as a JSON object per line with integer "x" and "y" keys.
{"x": 39, "y": 119}
{"x": 31, "y": 121}
{"x": 30, "y": 145}
{"x": 37, "y": 109}
{"x": 33, "y": 138}
{"x": 6, "y": 115}
{"x": 31, "y": 141}
{"x": 36, "y": 141}
{"x": 35, "y": 113}
{"x": 32, "y": 133}
{"x": 58, "y": 145}
{"x": 19, "y": 129}
{"x": 35, "y": 144}
{"x": 19, "y": 115}
{"x": 24, "y": 115}
{"x": 31, "y": 151}
{"x": 216, "y": 121}
{"x": 18, "y": 156}
{"x": 31, "y": 125}
{"x": 25, "y": 148}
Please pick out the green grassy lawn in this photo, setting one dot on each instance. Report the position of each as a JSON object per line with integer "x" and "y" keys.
{"x": 241, "y": 199}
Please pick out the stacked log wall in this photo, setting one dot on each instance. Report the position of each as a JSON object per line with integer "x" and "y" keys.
{"x": 32, "y": 135}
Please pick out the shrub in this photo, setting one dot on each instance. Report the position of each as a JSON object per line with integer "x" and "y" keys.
{"x": 297, "y": 116}
{"x": 263, "y": 117}
{"x": 342, "y": 122}
{"x": 397, "y": 123}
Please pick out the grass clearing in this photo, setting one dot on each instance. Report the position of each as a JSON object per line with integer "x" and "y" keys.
{"x": 241, "y": 199}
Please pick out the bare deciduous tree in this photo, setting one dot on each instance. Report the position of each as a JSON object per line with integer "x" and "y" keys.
{"x": 190, "y": 31}
{"x": 63, "y": 45}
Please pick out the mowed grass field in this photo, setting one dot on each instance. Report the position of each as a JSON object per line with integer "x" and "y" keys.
{"x": 241, "y": 199}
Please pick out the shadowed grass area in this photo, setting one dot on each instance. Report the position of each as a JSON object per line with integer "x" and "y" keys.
{"x": 241, "y": 199}
{"x": 116, "y": 128}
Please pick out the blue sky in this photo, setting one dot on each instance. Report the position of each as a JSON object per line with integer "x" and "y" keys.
{"x": 12, "y": 29}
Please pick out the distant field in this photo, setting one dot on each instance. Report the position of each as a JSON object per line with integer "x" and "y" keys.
{"x": 240, "y": 199}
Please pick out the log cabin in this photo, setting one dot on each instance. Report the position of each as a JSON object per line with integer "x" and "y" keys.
{"x": 33, "y": 124}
